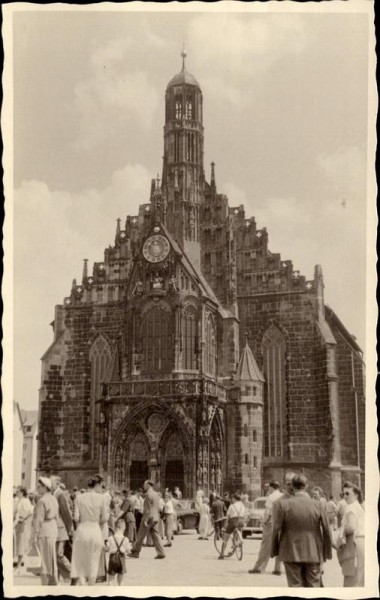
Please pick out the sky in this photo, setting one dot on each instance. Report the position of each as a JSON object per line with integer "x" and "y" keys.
{"x": 285, "y": 117}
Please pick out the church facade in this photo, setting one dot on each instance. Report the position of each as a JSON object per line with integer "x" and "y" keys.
{"x": 192, "y": 354}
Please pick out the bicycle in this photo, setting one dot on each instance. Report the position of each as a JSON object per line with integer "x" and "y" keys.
{"x": 233, "y": 546}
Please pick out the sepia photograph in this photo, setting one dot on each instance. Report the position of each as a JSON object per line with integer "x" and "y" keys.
{"x": 189, "y": 299}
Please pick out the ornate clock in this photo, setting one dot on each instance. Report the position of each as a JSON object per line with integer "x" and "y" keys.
{"x": 156, "y": 248}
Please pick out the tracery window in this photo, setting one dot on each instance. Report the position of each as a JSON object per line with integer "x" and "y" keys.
{"x": 189, "y": 336}
{"x": 100, "y": 356}
{"x": 157, "y": 342}
{"x": 275, "y": 431}
{"x": 210, "y": 366}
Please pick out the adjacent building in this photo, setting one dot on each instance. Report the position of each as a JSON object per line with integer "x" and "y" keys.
{"x": 25, "y": 431}
{"x": 194, "y": 355}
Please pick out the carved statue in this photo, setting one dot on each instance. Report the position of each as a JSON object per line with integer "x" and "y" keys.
{"x": 173, "y": 284}
{"x": 219, "y": 476}
{"x": 158, "y": 282}
{"x": 138, "y": 289}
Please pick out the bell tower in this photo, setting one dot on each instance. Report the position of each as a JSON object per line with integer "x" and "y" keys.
{"x": 183, "y": 174}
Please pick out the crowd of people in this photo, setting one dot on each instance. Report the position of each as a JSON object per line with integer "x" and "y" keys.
{"x": 85, "y": 536}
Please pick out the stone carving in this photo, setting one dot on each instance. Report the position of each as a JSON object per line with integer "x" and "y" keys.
{"x": 155, "y": 423}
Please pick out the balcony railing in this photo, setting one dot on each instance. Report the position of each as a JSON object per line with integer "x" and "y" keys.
{"x": 167, "y": 387}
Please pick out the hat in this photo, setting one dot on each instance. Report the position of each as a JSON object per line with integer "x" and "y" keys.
{"x": 45, "y": 482}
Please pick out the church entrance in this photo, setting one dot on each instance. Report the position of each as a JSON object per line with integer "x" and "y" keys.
{"x": 174, "y": 474}
{"x": 138, "y": 473}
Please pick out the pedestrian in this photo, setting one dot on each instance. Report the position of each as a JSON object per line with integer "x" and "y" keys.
{"x": 226, "y": 500}
{"x": 102, "y": 571}
{"x": 149, "y": 522}
{"x": 168, "y": 518}
{"x": 45, "y": 531}
{"x": 265, "y": 547}
{"x": 65, "y": 528}
{"x": 90, "y": 514}
{"x": 342, "y": 506}
{"x": 218, "y": 512}
{"x": 235, "y": 520}
{"x": 127, "y": 512}
{"x": 139, "y": 507}
{"x": 350, "y": 546}
{"x": 301, "y": 536}
{"x": 118, "y": 547}
{"x": 177, "y": 493}
{"x": 22, "y": 522}
{"x": 332, "y": 510}
{"x": 318, "y": 495}
{"x": 204, "y": 520}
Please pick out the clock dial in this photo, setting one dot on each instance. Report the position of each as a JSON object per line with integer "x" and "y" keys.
{"x": 156, "y": 248}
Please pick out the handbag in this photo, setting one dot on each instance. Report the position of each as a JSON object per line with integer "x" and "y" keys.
{"x": 32, "y": 559}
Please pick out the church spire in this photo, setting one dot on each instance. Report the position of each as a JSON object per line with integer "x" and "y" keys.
{"x": 212, "y": 181}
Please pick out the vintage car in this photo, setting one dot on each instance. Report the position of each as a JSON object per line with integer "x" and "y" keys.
{"x": 253, "y": 520}
{"x": 186, "y": 513}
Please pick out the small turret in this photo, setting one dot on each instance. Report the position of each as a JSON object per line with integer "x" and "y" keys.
{"x": 212, "y": 181}
{"x": 117, "y": 236}
{"x": 85, "y": 274}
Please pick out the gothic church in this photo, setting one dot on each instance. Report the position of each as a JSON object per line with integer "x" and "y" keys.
{"x": 192, "y": 354}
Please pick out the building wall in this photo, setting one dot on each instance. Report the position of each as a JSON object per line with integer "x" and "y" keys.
{"x": 18, "y": 440}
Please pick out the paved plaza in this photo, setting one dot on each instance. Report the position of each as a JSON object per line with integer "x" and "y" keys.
{"x": 193, "y": 562}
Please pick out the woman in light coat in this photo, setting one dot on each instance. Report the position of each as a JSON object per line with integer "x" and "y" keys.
{"x": 45, "y": 531}
{"x": 22, "y": 523}
{"x": 204, "y": 520}
{"x": 350, "y": 541}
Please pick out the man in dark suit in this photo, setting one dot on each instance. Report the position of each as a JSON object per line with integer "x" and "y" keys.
{"x": 149, "y": 522}
{"x": 300, "y": 536}
{"x": 65, "y": 528}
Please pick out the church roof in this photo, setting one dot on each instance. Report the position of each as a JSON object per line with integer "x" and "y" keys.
{"x": 247, "y": 368}
{"x": 183, "y": 76}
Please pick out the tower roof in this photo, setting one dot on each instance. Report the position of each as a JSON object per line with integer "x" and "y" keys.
{"x": 247, "y": 368}
{"x": 183, "y": 76}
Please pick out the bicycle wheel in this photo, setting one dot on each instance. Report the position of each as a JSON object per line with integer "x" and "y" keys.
{"x": 238, "y": 544}
{"x": 229, "y": 547}
{"x": 218, "y": 541}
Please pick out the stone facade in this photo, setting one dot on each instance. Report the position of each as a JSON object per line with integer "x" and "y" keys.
{"x": 145, "y": 377}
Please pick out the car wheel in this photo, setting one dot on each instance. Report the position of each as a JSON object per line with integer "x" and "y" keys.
{"x": 179, "y": 525}
{"x": 245, "y": 534}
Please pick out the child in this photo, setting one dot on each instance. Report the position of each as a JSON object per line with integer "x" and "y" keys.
{"x": 118, "y": 546}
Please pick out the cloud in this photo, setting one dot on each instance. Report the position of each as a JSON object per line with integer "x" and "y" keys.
{"x": 116, "y": 92}
{"x": 250, "y": 45}
{"x": 346, "y": 171}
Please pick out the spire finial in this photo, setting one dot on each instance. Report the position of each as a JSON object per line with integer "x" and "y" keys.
{"x": 183, "y": 54}
{"x": 246, "y": 338}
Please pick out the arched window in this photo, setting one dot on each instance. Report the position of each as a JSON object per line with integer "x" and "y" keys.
{"x": 157, "y": 342}
{"x": 210, "y": 346}
{"x": 189, "y": 336}
{"x": 275, "y": 434}
{"x": 100, "y": 356}
{"x": 189, "y": 107}
{"x": 178, "y": 106}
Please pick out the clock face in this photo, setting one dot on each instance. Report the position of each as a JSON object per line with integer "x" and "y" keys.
{"x": 156, "y": 248}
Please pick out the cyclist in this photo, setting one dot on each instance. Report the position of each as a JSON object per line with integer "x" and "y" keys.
{"x": 235, "y": 520}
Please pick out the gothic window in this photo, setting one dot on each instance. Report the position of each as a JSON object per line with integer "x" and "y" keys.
{"x": 178, "y": 106}
{"x": 100, "y": 356}
{"x": 246, "y": 459}
{"x": 189, "y": 107}
{"x": 176, "y": 147}
{"x": 275, "y": 434}
{"x": 210, "y": 366}
{"x": 255, "y": 462}
{"x": 156, "y": 340}
{"x": 245, "y": 430}
{"x": 189, "y": 336}
{"x": 254, "y": 435}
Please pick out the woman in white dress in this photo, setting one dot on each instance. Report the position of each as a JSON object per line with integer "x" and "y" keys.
{"x": 204, "y": 521}
{"x": 351, "y": 538}
{"x": 22, "y": 522}
{"x": 90, "y": 515}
